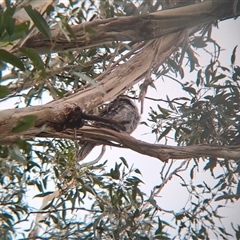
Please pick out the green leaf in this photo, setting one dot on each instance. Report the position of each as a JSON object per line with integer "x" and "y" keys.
{"x": 4, "y": 91}
{"x": 137, "y": 171}
{"x": 237, "y": 71}
{"x": 222, "y": 187}
{"x": 39, "y": 21}
{"x": 8, "y": 20}
{"x": 69, "y": 29}
{"x": 2, "y": 67}
{"x": 238, "y": 190}
{"x": 179, "y": 216}
{"x": 43, "y": 194}
{"x": 124, "y": 161}
{"x": 199, "y": 42}
{"x": 164, "y": 111}
{"x": 18, "y": 32}
{"x": 7, "y": 23}
{"x": 164, "y": 133}
{"x": 225, "y": 196}
{"x": 211, "y": 164}
{"x": 199, "y": 78}
{"x": 233, "y": 57}
{"x": 12, "y": 59}
{"x": 9, "y": 12}
{"x": 35, "y": 58}
{"x": 194, "y": 238}
{"x": 39, "y": 185}
{"x": 192, "y": 172}
{"x": 24, "y": 123}
{"x": 170, "y": 103}
{"x": 45, "y": 182}
{"x": 24, "y": 145}
{"x": 160, "y": 227}
{"x": 64, "y": 22}
{"x": 190, "y": 90}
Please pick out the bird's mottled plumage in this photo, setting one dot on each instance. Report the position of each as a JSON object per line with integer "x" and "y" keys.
{"x": 122, "y": 110}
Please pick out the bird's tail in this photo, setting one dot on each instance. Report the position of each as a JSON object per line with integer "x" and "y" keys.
{"x": 85, "y": 150}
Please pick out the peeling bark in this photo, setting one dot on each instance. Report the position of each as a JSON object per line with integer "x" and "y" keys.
{"x": 121, "y": 139}
{"x": 56, "y": 117}
{"x": 135, "y": 28}
{"x": 160, "y": 151}
{"x": 114, "y": 81}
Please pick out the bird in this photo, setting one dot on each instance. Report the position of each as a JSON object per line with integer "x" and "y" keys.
{"x": 122, "y": 110}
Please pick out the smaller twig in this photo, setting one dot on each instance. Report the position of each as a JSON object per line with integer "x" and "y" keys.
{"x": 168, "y": 170}
{"x": 57, "y": 210}
{"x": 158, "y": 188}
{"x": 148, "y": 80}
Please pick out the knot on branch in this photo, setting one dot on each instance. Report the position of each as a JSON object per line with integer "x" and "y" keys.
{"x": 70, "y": 116}
{"x": 73, "y": 117}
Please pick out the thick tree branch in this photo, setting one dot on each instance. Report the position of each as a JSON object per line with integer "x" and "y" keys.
{"x": 160, "y": 151}
{"x": 114, "y": 81}
{"x": 136, "y": 28}
{"x": 121, "y": 139}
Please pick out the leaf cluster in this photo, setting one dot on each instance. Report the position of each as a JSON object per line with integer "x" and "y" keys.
{"x": 105, "y": 203}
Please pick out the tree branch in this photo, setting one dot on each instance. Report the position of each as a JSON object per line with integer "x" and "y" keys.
{"x": 121, "y": 139}
{"x": 160, "y": 151}
{"x": 133, "y": 28}
{"x": 114, "y": 81}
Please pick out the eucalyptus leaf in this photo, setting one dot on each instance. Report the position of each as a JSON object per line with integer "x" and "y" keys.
{"x": 38, "y": 20}
{"x": 35, "y": 58}
{"x": 12, "y": 59}
{"x": 4, "y": 91}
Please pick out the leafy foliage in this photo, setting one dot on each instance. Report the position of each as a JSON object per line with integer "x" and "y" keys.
{"x": 96, "y": 202}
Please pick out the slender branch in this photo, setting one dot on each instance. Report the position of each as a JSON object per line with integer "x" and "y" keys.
{"x": 120, "y": 139}
{"x": 57, "y": 210}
